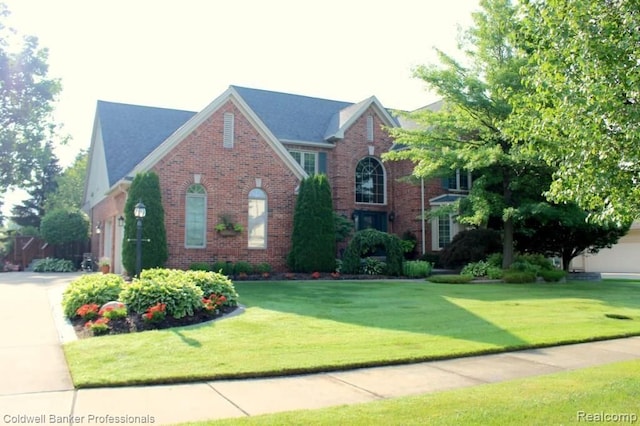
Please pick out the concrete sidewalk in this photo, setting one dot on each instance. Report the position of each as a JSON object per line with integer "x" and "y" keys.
{"x": 35, "y": 383}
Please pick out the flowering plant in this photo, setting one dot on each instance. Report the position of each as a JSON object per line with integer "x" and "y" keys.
{"x": 88, "y": 311}
{"x": 114, "y": 312}
{"x": 213, "y": 302}
{"x": 104, "y": 261}
{"x": 155, "y": 313}
{"x": 99, "y": 326}
{"x": 315, "y": 275}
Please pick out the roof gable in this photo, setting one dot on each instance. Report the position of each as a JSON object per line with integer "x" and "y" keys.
{"x": 131, "y": 132}
{"x": 292, "y": 117}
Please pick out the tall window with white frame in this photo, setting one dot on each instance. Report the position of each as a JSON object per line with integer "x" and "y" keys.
{"x": 370, "y": 181}
{"x": 257, "y": 219}
{"x": 195, "y": 217}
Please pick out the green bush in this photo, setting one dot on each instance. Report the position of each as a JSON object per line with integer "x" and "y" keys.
{"x": 365, "y": 243}
{"x": 214, "y": 283}
{"x": 494, "y": 273}
{"x": 495, "y": 259}
{"x": 416, "y": 268}
{"x": 200, "y": 266}
{"x": 469, "y": 246}
{"x": 169, "y": 286}
{"x": 92, "y": 288}
{"x": 450, "y": 279}
{"x": 223, "y": 267}
{"x": 53, "y": 265}
{"x": 538, "y": 260}
{"x": 262, "y": 268}
{"x": 476, "y": 269}
{"x": 553, "y": 275}
{"x": 373, "y": 266}
{"x": 518, "y": 277}
{"x": 242, "y": 267}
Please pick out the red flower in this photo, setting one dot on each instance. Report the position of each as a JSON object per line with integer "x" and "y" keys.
{"x": 88, "y": 310}
{"x": 315, "y": 275}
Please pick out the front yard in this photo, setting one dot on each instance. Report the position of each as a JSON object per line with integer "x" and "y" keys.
{"x": 305, "y": 326}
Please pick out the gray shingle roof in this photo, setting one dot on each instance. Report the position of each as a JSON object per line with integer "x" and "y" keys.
{"x": 131, "y": 132}
{"x": 292, "y": 117}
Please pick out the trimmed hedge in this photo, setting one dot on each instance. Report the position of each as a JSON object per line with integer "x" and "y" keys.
{"x": 450, "y": 279}
{"x": 554, "y": 275}
{"x": 518, "y": 277}
{"x": 366, "y": 242}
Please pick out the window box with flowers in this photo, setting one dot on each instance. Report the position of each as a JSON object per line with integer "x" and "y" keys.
{"x": 227, "y": 228}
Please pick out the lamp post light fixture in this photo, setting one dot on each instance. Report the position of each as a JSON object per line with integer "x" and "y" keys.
{"x": 139, "y": 211}
{"x": 121, "y": 221}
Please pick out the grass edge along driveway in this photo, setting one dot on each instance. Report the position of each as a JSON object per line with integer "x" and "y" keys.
{"x": 310, "y": 326}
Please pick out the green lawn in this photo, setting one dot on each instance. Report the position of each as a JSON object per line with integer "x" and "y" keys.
{"x": 308, "y": 326}
{"x": 562, "y": 398}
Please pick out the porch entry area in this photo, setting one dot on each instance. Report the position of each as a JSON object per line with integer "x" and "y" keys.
{"x": 365, "y": 219}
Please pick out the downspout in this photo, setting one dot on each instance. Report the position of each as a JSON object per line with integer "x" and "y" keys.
{"x": 422, "y": 219}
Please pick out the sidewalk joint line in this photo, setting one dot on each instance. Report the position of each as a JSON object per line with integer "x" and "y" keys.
{"x": 228, "y": 400}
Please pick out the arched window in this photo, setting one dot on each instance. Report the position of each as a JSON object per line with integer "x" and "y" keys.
{"x": 257, "y": 220}
{"x": 195, "y": 217}
{"x": 370, "y": 181}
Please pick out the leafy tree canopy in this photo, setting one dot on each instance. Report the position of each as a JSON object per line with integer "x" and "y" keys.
{"x": 26, "y": 103}
{"x": 69, "y": 186}
{"x": 583, "y": 109}
{"x": 64, "y": 226}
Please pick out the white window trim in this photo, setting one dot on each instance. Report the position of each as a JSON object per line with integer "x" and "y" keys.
{"x": 384, "y": 185}
{"x": 262, "y": 246}
{"x": 454, "y": 228}
{"x": 204, "y": 229}
{"x": 458, "y": 186}
{"x": 303, "y": 153}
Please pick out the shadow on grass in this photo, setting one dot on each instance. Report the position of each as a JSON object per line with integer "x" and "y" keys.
{"x": 188, "y": 340}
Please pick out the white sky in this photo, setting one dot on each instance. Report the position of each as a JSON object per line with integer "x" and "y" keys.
{"x": 183, "y": 54}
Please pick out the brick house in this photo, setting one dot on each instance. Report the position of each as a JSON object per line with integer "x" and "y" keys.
{"x": 244, "y": 156}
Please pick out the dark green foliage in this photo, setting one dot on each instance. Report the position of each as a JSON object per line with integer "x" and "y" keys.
{"x": 433, "y": 258}
{"x": 313, "y": 240}
{"x": 91, "y": 288}
{"x": 450, "y": 279}
{"x": 343, "y": 227}
{"x": 410, "y": 242}
{"x": 146, "y": 188}
{"x": 242, "y": 267}
{"x": 214, "y": 283}
{"x": 469, "y": 246}
{"x": 262, "y": 268}
{"x": 416, "y": 268}
{"x": 223, "y": 267}
{"x": 43, "y": 183}
{"x": 53, "y": 265}
{"x": 172, "y": 287}
{"x": 553, "y": 275}
{"x": 365, "y": 243}
{"x": 200, "y": 266}
{"x": 518, "y": 277}
{"x": 64, "y": 226}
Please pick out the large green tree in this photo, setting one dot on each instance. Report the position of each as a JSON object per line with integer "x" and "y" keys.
{"x": 42, "y": 184}
{"x": 26, "y": 103}
{"x": 70, "y": 186}
{"x": 145, "y": 188}
{"x": 467, "y": 133}
{"x": 583, "y": 109}
{"x": 313, "y": 240}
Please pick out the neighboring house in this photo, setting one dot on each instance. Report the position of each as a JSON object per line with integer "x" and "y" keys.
{"x": 621, "y": 257}
{"x": 244, "y": 156}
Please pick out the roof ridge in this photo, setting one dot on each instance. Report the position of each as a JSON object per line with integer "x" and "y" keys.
{"x": 291, "y": 94}
{"x": 126, "y": 104}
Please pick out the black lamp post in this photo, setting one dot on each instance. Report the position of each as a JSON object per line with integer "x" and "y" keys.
{"x": 139, "y": 211}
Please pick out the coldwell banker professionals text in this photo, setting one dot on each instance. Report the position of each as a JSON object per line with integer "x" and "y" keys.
{"x": 89, "y": 419}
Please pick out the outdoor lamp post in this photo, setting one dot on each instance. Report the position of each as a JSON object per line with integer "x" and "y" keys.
{"x": 139, "y": 212}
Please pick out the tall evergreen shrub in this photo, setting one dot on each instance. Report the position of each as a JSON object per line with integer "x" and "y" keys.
{"x": 313, "y": 241}
{"x": 146, "y": 188}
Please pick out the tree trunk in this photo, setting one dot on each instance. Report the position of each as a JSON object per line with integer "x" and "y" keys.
{"x": 507, "y": 244}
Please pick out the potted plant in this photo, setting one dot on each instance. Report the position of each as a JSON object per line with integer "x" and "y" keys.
{"x": 226, "y": 227}
{"x": 105, "y": 265}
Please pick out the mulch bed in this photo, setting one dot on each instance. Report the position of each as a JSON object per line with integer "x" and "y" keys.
{"x": 134, "y": 322}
